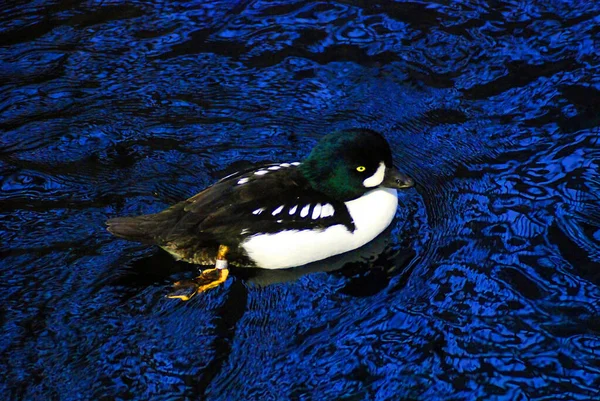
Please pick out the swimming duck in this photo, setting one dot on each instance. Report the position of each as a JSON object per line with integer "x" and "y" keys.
{"x": 278, "y": 216}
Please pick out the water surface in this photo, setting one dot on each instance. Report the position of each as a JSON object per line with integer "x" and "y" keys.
{"x": 487, "y": 286}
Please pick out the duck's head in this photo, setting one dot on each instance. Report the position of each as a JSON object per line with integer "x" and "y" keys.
{"x": 349, "y": 163}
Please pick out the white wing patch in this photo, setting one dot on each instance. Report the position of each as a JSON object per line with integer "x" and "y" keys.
{"x": 258, "y": 211}
{"x": 316, "y": 211}
{"x": 228, "y": 176}
{"x": 263, "y": 172}
{"x": 377, "y": 178}
{"x": 327, "y": 210}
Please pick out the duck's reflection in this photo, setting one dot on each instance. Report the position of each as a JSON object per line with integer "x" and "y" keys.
{"x": 368, "y": 269}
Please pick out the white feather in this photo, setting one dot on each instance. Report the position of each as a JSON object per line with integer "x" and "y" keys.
{"x": 228, "y": 176}
{"x": 371, "y": 213}
{"x": 304, "y": 211}
{"x": 327, "y": 210}
{"x": 316, "y": 211}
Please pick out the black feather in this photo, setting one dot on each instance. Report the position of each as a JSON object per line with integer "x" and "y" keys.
{"x": 222, "y": 214}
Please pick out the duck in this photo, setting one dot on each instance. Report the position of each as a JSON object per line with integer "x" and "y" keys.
{"x": 279, "y": 216}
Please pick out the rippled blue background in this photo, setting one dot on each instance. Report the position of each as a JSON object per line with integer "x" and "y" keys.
{"x": 487, "y": 286}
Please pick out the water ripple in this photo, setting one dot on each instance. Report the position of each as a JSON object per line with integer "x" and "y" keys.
{"x": 486, "y": 286}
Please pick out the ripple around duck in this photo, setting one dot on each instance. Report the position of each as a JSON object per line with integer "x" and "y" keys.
{"x": 486, "y": 286}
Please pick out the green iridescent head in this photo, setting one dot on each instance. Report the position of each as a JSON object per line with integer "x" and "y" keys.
{"x": 348, "y": 163}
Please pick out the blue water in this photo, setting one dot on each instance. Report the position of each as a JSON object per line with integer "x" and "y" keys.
{"x": 486, "y": 287}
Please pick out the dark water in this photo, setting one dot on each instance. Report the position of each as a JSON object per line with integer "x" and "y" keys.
{"x": 487, "y": 286}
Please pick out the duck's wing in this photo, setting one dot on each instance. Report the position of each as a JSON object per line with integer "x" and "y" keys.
{"x": 265, "y": 200}
{"x": 261, "y": 201}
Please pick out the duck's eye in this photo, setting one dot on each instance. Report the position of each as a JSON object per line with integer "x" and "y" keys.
{"x": 360, "y": 169}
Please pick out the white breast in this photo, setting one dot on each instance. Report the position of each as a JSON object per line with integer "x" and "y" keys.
{"x": 372, "y": 213}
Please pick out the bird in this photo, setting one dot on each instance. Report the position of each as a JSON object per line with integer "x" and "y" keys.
{"x": 279, "y": 216}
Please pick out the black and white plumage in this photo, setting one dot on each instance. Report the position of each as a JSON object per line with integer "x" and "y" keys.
{"x": 283, "y": 215}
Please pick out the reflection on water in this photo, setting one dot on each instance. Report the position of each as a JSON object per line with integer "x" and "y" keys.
{"x": 487, "y": 285}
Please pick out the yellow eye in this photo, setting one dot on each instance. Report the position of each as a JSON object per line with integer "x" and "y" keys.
{"x": 360, "y": 169}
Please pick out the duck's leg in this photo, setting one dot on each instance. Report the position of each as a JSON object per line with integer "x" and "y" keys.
{"x": 209, "y": 278}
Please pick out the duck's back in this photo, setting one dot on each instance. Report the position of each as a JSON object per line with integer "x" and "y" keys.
{"x": 219, "y": 213}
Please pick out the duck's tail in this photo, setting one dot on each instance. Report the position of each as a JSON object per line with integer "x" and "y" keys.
{"x": 172, "y": 225}
{"x": 147, "y": 229}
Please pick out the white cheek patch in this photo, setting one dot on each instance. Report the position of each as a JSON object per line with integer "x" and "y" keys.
{"x": 377, "y": 178}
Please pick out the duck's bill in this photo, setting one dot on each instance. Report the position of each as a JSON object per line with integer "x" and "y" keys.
{"x": 395, "y": 179}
